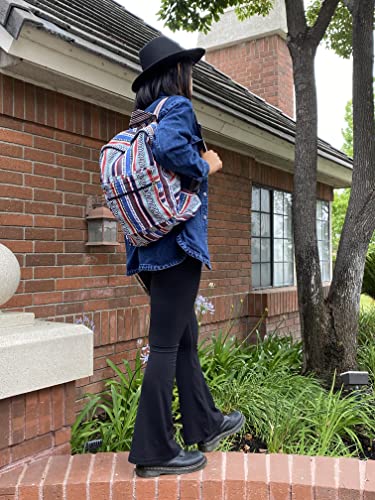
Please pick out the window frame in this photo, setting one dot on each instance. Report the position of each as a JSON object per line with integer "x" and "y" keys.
{"x": 271, "y": 191}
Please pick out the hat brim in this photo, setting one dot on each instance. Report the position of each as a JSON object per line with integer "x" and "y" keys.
{"x": 194, "y": 54}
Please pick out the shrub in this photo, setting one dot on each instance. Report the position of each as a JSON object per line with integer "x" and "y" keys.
{"x": 110, "y": 415}
{"x": 288, "y": 412}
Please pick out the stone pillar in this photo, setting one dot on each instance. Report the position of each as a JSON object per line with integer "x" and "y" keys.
{"x": 40, "y": 361}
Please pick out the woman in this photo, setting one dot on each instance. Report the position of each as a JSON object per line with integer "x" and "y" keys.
{"x": 171, "y": 268}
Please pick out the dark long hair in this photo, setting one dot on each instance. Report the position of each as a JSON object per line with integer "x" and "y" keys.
{"x": 171, "y": 81}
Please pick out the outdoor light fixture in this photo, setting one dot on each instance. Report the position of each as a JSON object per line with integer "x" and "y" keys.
{"x": 102, "y": 225}
{"x": 354, "y": 380}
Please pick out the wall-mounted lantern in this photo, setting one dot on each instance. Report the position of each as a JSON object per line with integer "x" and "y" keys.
{"x": 102, "y": 225}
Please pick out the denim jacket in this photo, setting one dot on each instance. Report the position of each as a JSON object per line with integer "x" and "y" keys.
{"x": 176, "y": 146}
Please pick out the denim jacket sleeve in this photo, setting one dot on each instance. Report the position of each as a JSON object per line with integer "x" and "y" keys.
{"x": 173, "y": 143}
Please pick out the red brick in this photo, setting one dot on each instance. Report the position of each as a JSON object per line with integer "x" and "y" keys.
{"x": 146, "y": 488}
{"x": 30, "y": 102}
{"x": 40, "y": 208}
{"x": 349, "y": 479}
{"x": 35, "y": 129}
{"x": 71, "y": 186}
{"x": 5, "y": 458}
{"x": 190, "y": 485}
{"x": 19, "y": 300}
{"x": 15, "y": 137}
{"x": 47, "y": 170}
{"x": 39, "y": 234}
{"x": 62, "y": 436}
{"x": 45, "y": 424}
{"x": 104, "y": 330}
{"x": 40, "y": 260}
{"x": 48, "y": 247}
{"x": 39, "y": 181}
{"x": 48, "y": 144}
{"x": 4, "y": 418}
{"x": 47, "y": 195}
{"x": 39, "y": 156}
{"x": 32, "y": 415}
{"x": 15, "y": 164}
{"x": 9, "y": 480}
{"x": 369, "y": 489}
{"x": 47, "y": 298}
{"x": 122, "y": 479}
{"x": 48, "y": 272}
{"x": 212, "y": 478}
{"x": 302, "y": 478}
{"x": 8, "y": 95}
{"x": 168, "y": 487}
{"x": 40, "y": 286}
{"x": 257, "y": 484}
{"x": 40, "y": 105}
{"x": 325, "y": 478}
{"x": 18, "y": 419}
{"x": 7, "y": 177}
{"x": 15, "y": 220}
{"x": 235, "y": 475}
{"x": 57, "y": 394}
{"x": 48, "y": 221}
{"x": 29, "y": 485}
{"x": 70, "y": 397}
{"x": 53, "y": 483}
{"x": 51, "y": 108}
{"x": 78, "y": 151}
{"x": 76, "y": 481}
{"x": 99, "y": 485}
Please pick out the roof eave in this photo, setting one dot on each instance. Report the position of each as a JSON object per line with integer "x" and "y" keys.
{"x": 97, "y": 75}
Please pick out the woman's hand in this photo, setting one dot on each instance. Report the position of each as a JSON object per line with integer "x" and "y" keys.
{"x": 213, "y": 159}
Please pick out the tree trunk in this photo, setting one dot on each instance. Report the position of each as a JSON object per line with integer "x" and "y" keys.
{"x": 344, "y": 296}
{"x": 310, "y": 293}
{"x": 329, "y": 327}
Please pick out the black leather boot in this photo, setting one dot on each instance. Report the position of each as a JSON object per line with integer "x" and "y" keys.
{"x": 185, "y": 462}
{"x": 232, "y": 423}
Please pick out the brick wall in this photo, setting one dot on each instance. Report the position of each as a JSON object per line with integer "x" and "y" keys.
{"x": 49, "y": 147}
{"x": 264, "y": 66}
{"x": 36, "y": 423}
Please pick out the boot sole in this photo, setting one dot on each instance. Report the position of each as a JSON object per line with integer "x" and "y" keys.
{"x": 154, "y": 470}
{"x": 211, "y": 445}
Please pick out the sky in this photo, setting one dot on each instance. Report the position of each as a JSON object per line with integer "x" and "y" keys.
{"x": 333, "y": 74}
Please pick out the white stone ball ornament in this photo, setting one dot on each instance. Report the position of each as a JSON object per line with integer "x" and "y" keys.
{"x": 10, "y": 274}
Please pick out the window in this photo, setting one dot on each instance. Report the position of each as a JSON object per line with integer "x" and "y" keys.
{"x": 272, "y": 250}
{"x": 272, "y": 244}
{"x": 323, "y": 237}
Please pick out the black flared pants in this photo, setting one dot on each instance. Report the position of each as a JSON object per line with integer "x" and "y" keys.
{"x": 173, "y": 338}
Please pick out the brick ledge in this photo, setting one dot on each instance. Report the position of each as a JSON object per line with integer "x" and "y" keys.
{"x": 233, "y": 475}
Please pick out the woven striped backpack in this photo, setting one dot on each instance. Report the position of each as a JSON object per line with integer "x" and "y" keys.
{"x": 146, "y": 199}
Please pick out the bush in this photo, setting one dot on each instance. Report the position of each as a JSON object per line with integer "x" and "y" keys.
{"x": 366, "y": 341}
{"x": 288, "y": 412}
{"x": 110, "y": 415}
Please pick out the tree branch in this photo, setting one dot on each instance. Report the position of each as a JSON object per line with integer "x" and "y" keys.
{"x": 327, "y": 10}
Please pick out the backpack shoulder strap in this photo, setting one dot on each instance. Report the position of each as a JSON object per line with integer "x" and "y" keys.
{"x": 159, "y": 107}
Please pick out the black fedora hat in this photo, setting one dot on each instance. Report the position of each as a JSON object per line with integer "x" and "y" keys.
{"x": 160, "y": 53}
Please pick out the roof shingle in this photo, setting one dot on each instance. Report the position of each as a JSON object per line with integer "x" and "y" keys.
{"x": 122, "y": 34}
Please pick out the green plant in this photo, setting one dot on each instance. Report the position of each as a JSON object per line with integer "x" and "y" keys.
{"x": 366, "y": 341}
{"x": 110, "y": 415}
{"x": 368, "y": 285}
{"x": 287, "y": 411}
